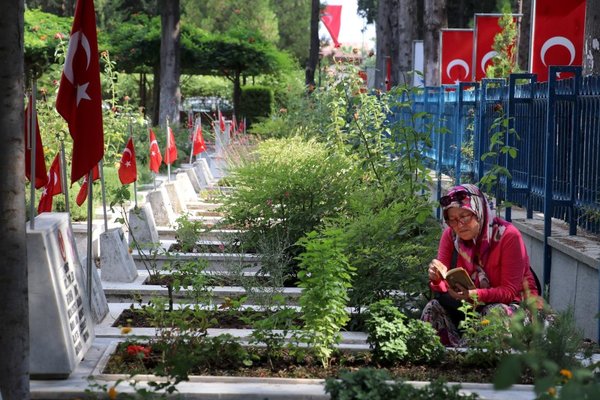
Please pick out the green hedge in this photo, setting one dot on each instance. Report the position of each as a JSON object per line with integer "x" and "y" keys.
{"x": 256, "y": 102}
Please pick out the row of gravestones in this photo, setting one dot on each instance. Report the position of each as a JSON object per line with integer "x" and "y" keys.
{"x": 62, "y": 315}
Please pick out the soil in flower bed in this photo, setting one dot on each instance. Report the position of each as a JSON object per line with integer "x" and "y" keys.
{"x": 222, "y": 280}
{"x": 213, "y": 248}
{"x": 290, "y": 366}
{"x": 226, "y": 319}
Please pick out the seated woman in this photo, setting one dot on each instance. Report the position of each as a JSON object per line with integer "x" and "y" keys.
{"x": 492, "y": 252}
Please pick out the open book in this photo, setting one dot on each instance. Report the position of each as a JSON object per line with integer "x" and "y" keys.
{"x": 455, "y": 276}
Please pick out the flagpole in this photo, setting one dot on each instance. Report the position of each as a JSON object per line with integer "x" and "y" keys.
{"x": 89, "y": 236}
{"x": 101, "y": 166}
{"x": 168, "y": 161}
{"x": 63, "y": 177}
{"x": 32, "y": 144}
{"x": 135, "y": 181}
{"x": 193, "y": 141}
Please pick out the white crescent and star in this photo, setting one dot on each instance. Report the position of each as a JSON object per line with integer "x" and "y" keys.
{"x": 76, "y": 39}
{"x": 460, "y": 63}
{"x": 327, "y": 18}
{"x": 487, "y": 57}
{"x": 557, "y": 41}
{"x": 128, "y": 162}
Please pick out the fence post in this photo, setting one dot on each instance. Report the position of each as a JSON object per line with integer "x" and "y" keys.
{"x": 513, "y": 100}
{"x": 550, "y": 138}
{"x": 461, "y": 122}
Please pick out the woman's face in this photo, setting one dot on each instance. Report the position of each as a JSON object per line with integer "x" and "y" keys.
{"x": 463, "y": 222}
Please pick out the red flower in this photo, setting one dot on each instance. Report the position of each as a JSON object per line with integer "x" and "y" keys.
{"x": 59, "y": 36}
{"x": 134, "y": 350}
{"x": 498, "y": 107}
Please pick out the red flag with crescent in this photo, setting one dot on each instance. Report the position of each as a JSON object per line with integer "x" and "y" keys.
{"x": 79, "y": 98}
{"x": 486, "y": 28}
{"x": 171, "y": 152}
{"x": 52, "y": 188}
{"x": 83, "y": 191}
{"x": 557, "y": 35}
{"x": 456, "y": 56}
{"x": 332, "y": 19}
{"x": 41, "y": 176}
{"x": 221, "y": 122}
{"x": 128, "y": 167}
{"x": 155, "y": 156}
{"x": 199, "y": 145}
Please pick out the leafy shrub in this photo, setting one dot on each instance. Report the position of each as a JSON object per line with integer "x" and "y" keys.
{"x": 325, "y": 278}
{"x": 187, "y": 232}
{"x": 376, "y": 384}
{"x": 390, "y": 245}
{"x": 256, "y": 102}
{"x": 286, "y": 189}
{"x": 393, "y": 340}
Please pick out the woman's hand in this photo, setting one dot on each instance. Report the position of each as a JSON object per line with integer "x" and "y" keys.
{"x": 434, "y": 270}
{"x": 461, "y": 293}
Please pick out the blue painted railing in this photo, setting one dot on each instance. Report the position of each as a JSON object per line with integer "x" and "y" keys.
{"x": 557, "y": 124}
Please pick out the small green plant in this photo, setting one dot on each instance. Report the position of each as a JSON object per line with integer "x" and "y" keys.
{"x": 325, "y": 277}
{"x": 551, "y": 353}
{"x": 486, "y": 336}
{"x": 393, "y": 340}
{"x": 375, "y": 384}
{"x": 187, "y": 232}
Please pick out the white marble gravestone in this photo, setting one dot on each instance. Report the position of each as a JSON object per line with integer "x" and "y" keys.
{"x": 60, "y": 322}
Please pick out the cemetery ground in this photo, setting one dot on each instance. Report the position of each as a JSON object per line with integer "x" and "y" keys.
{"x": 193, "y": 321}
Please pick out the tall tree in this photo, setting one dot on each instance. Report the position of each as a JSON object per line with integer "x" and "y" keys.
{"x": 293, "y": 21}
{"x": 218, "y": 16}
{"x": 434, "y": 19}
{"x": 524, "y": 8}
{"x": 591, "y": 47}
{"x": 385, "y": 26}
{"x": 170, "y": 63}
{"x": 313, "y": 56}
{"x": 14, "y": 312}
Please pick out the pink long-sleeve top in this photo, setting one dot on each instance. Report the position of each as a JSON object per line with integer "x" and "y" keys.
{"x": 506, "y": 266}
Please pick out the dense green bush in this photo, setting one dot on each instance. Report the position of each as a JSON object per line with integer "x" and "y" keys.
{"x": 286, "y": 189}
{"x": 256, "y": 102}
{"x": 394, "y": 340}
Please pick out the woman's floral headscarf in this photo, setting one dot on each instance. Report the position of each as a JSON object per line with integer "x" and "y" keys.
{"x": 490, "y": 229}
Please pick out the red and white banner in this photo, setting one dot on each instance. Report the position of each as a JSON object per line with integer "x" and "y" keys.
{"x": 79, "y": 98}
{"x": 558, "y": 35}
{"x": 128, "y": 166}
{"x": 332, "y": 19}
{"x": 456, "y": 47}
{"x": 40, "y": 176}
{"x": 52, "y": 188}
{"x": 155, "y": 156}
{"x": 486, "y": 29}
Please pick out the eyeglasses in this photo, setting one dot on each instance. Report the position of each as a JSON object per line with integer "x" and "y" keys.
{"x": 464, "y": 220}
{"x": 456, "y": 196}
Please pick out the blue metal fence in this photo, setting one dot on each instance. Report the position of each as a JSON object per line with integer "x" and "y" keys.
{"x": 557, "y": 127}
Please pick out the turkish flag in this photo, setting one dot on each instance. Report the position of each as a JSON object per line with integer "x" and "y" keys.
{"x": 41, "y": 177}
{"x": 52, "y": 188}
{"x": 332, "y": 19}
{"x": 83, "y": 192}
{"x": 128, "y": 168}
{"x": 242, "y": 126}
{"x": 198, "y": 146}
{"x": 457, "y": 56}
{"x": 558, "y": 35}
{"x": 155, "y": 156}
{"x": 171, "y": 152}
{"x": 79, "y": 98}
{"x": 486, "y": 29}
{"x": 221, "y": 122}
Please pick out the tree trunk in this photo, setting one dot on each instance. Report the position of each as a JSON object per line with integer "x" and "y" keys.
{"x": 406, "y": 33}
{"x": 524, "y": 7}
{"x": 591, "y": 46}
{"x": 170, "y": 93}
{"x": 313, "y": 56}
{"x": 434, "y": 18}
{"x": 155, "y": 95}
{"x": 14, "y": 304}
{"x": 237, "y": 93}
{"x": 385, "y": 26}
